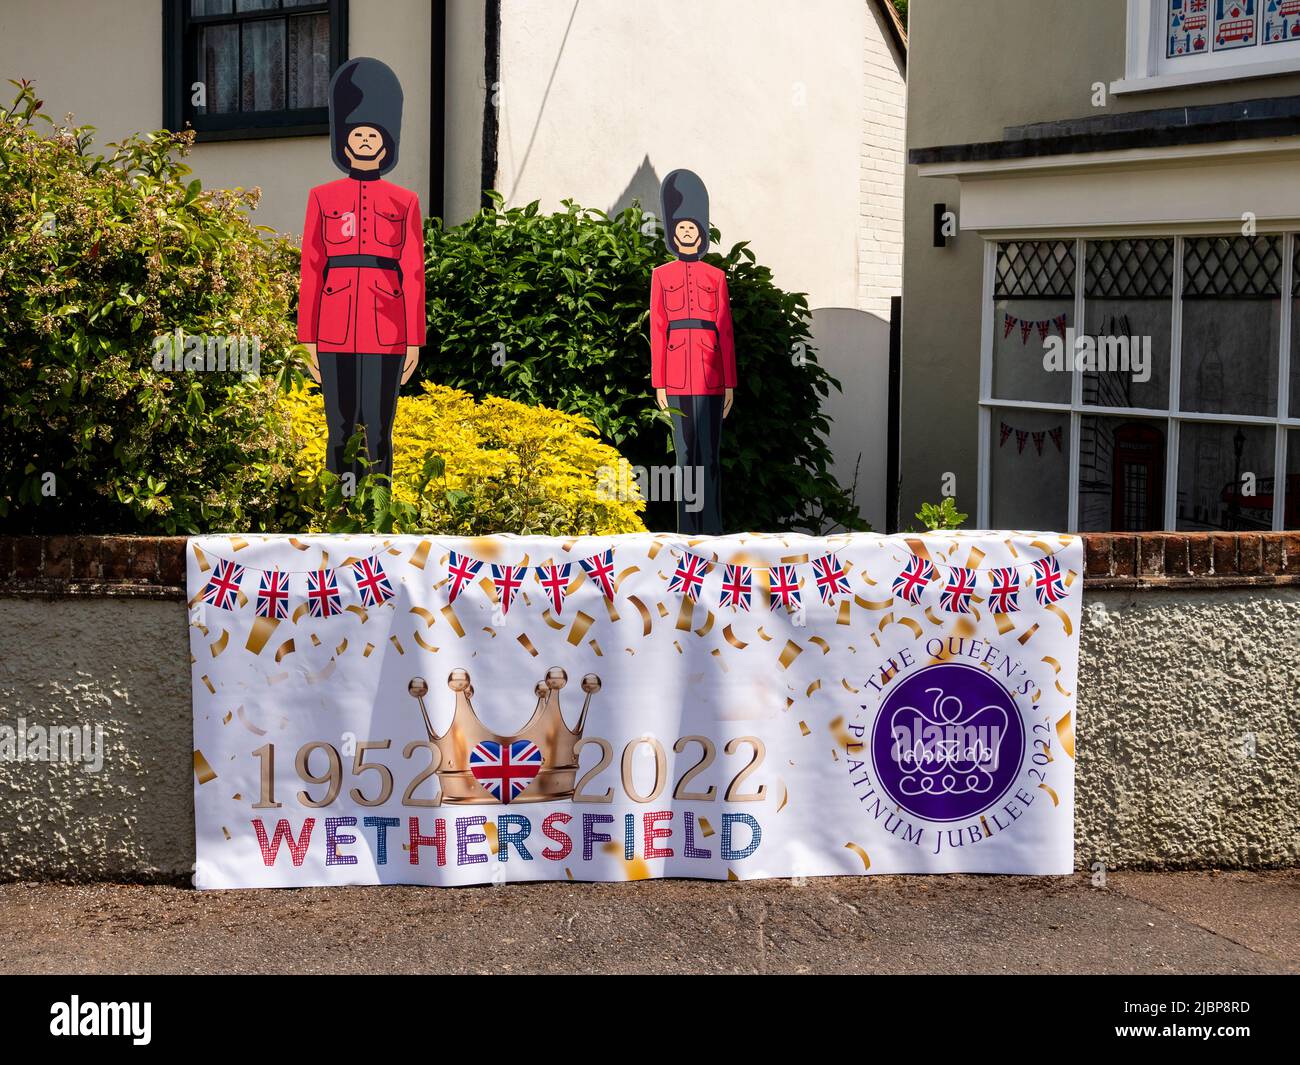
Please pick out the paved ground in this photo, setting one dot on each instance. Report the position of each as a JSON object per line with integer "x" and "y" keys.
{"x": 1139, "y": 923}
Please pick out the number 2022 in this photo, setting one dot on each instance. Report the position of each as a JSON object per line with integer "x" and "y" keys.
{"x": 332, "y": 778}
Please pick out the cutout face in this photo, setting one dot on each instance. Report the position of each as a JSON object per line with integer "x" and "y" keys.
{"x": 365, "y": 144}
{"x": 686, "y": 234}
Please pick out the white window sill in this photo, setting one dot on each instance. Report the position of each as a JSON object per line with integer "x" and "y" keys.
{"x": 1239, "y": 72}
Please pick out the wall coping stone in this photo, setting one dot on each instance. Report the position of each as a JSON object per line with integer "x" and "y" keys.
{"x": 153, "y": 567}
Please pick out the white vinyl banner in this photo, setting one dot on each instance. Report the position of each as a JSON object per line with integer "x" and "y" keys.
{"x": 423, "y": 710}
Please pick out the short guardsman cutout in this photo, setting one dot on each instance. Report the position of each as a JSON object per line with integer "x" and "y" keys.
{"x": 361, "y": 300}
{"x": 692, "y": 351}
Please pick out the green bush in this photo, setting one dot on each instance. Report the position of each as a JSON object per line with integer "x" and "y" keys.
{"x": 100, "y": 255}
{"x": 553, "y": 309}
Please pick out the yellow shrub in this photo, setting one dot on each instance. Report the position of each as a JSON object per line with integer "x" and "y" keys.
{"x": 509, "y": 467}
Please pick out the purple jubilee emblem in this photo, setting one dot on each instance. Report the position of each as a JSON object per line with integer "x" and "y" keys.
{"x": 947, "y": 743}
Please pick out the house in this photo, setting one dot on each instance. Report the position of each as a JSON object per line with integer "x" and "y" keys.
{"x": 1101, "y": 263}
{"x": 795, "y": 120}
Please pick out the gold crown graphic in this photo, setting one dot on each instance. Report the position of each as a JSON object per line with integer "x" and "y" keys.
{"x": 546, "y": 728}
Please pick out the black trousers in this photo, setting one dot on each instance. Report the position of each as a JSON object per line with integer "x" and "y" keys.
{"x": 697, "y": 434}
{"x": 360, "y": 392}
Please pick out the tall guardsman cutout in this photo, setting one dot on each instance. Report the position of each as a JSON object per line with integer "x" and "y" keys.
{"x": 692, "y": 351}
{"x": 361, "y": 301}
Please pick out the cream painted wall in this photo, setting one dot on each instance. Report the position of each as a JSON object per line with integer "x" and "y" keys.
{"x": 103, "y": 62}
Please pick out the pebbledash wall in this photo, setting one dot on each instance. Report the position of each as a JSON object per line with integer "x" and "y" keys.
{"x": 1188, "y": 724}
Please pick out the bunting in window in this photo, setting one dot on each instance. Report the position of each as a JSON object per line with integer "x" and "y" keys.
{"x": 599, "y": 569}
{"x": 831, "y": 578}
{"x": 222, "y": 589}
{"x": 1049, "y": 585}
{"x": 461, "y": 569}
{"x": 273, "y": 595}
{"x": 372, "y": 582}
{"x": 323, "y": 594}
{"x": 508, "y": 580}
{"x": 958, "y": 592}
{"x": 784, "y": 588}
{"x": 737, "y": 587}
{"x": 554, "y": 580}
{"x": 913, "y": 581}
{"x": 688, "y": 577}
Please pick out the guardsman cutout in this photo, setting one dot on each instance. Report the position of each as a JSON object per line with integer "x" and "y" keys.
{"x": 692, "y": 351}
{"x": 361, "y": 300}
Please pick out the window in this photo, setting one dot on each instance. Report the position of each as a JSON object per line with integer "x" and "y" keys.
{"x": 251, "y": 68}
{"x": 1175, "y": 404}
{"x": 1179, "y": 42}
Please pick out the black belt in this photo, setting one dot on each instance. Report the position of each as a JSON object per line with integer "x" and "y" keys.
{"x": 377, "y": 262}
{"x": 692, "y": 323}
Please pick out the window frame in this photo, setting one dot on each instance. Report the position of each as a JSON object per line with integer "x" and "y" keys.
{"x": 1146, "y": 67}
{"x": 1172, "y": 417}
{"x": 178, "y": 25}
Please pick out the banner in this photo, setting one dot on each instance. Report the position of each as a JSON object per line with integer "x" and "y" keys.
{"x": 421, "y": 710}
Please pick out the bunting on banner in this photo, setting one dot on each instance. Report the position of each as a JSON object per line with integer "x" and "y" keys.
{"x": 372, "y": 582}
{"x": 688, "y": 577}
{"x": 507, "y": 580}
{"x": 831, "y": 578}
{"x": 554, "y": 580}
{"x": 273, "y": 595}
{"x": 222, "y": 588}
{"x": 600, "y": 571}
{"x": 783, "y": 588}
{"x": 461, "y": 570}
{"x": 737, "y": 587}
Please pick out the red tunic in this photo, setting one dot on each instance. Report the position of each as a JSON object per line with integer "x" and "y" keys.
{"x": 695, "y": 361}
{"x": 362, "y": 309}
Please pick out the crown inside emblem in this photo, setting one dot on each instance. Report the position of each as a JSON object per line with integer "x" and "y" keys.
{"x": 478, "y": 766}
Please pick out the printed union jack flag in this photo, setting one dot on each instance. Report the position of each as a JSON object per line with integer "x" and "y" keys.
{"x": 913, "y": 581}
{"x": 831, "y": 578}
{"x": 1049, "y": 585}
{"x": 600, "y": 570}
{"x": 461, "y": 569}
{"x": 688, "y": 577}
{"x": 508, "y": 580}
{"x": 222, "y": 589}
{"x": 737, "y": 587}
{"x": 505, "y": 770}
{"x": 1006, "y": 590}
{"x": 959, "y": 590}
{"x": 273, "y": 595}
{"x": 323, "y": 594}
{"x": 372, "y": 582}
{"x": 555, "y": 579}
{"x": 783, "y": 588}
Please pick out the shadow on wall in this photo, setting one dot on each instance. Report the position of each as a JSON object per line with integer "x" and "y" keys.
{"x": 643, "y": 187}
{"x": 853, "y": 345}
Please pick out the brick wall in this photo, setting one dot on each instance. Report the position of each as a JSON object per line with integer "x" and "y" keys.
{"x": 154, "y": 566}
{"x": 880, "y": 239}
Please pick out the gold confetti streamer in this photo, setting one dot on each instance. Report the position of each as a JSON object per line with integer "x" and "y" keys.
{"x": 975, "y": 557}
{"x": 643, "y": 610}
{"x": 551, "y": 620}
{"x": 820, "y": 642}
{"x": 733, "y": 639}
{"x": 220, "y": 645}
{"x": 731, "y": 875}
{"x": 243, "y": 720}
{"x": 527, "y": 644}
{"x": 490, "y": 830}
{"x": 1055, "y": 800}
{"x": 238, "y": 543}
{"x": 636, "y": 869}
{"x": 871, "y": 604}
{"x": 909, "y": 623}
{"x": 367, "y": 650}
{"x": 595, "y": 647}
{"x": 625, "y": 573}
{"x": 315, "y": 640}
{"x": 785, "y": 797}
{"x": 704, "y": 629}
{"x": 208, "y": 684}
{"x": 297, "y": 544}
{"x": 262, "y": 630}
{"x": 789, "y": 653}
{"x": 856, "y": 849}
{"x": 341, "y": 648}
{"x": 453, "y": 620}
{"x": 717, "y": 656}
{"x": 228, "y": 718}
{"x": 581, "y": 624}
{"x": 1004, "y": 622}
{"x": 300, "y": 610}
{"x": 795, "y": 560}
{"x": 360, "y": 612}
{"x": 762, "y": 635}
{"x": 202, "y": 770}
{"x": 489, "y": 589}
{"x": 918, "y": 547}
{"x": 490, "y": 631}
{"x": 324, "y": 673}
{"x": 845, "y": 609}
{"x": 285, "y": 648}
{"x": 655, "y": 549}
{"x": 428, "y": 615}
{"x": 686, "y": 614}
{"x": 487, "y": 548}
{"x": 396, "y": 643}
{"x": 567, "y": 546}
{"x": 849, "y": 687}
{"x": 803, "y": 727}
{"x": 929, "y": 613}
{"x": 1023, "y": 638}
{"x": 705, "y": 828}
{"x": 678, "y": 646}
{"x": 663, "y": 610}
{"x": 1065, "y": 730}
{"x": 226, "y": 832}
{"x": 609, "y": 607}
{"x": 421, "y": 554}
{"x": 201, "y": 558}
{"x": 423, "y": 642}
{"x": 1065, "y": 619}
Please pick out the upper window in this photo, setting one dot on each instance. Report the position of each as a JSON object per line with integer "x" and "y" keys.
{"x": 1175, "y": 42}
{"x": 251, "y": 68}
